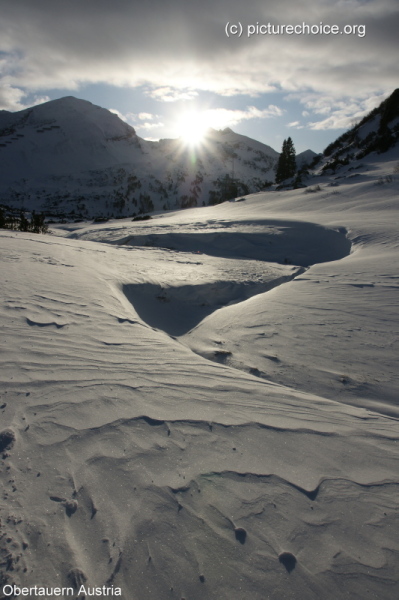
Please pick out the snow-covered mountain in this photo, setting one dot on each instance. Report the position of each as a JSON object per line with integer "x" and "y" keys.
{"x": 70, "y": 157}
{"x": 376, "y": 132}
{"x": 305, "y": 158}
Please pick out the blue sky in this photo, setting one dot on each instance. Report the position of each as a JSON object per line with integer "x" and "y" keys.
{"x": 154, "y": 62}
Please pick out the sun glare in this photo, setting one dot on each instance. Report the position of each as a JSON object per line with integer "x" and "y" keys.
{"x": 191, "y": 128}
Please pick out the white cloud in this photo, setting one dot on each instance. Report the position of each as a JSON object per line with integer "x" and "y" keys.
{"x": 129, "y": 118}
{"x": 143, "y": 116}
{"x": 136, "y": 120}
{"x": 170, "y": 94}
{"x": 148, "y": 125}
{"x": 342, "y": 114}
{"x": 11, "y": 98}
{"x": 115, "y": 111}
{"x": 223, "y": 117}
{"x": 177, "y": 49}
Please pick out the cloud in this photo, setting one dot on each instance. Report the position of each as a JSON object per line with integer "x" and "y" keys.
{"x": 220, "y": 118}
{"x": 136, "y": 120}
{"x": 149, "y": 126}
{"x": 143, "y": 116}
{"x": 130, "y": 118}
{"x": 342, "y": 114}
{"x": 169, "y": 94}
{"x": 11, "y": 98}
{"x": 176, "y": 49}
{"x": 117, "y": 112}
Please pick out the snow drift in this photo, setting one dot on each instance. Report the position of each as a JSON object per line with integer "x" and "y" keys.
{"x": 246, "y": 451}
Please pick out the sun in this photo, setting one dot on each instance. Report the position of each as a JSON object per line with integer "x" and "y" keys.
{"x": 192, "y": 127}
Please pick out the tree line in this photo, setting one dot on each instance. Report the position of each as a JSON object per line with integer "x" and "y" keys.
{"x": 36, "y": 224}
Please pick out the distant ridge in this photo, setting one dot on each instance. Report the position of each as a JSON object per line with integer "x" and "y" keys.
{"x": 73, "y": 159}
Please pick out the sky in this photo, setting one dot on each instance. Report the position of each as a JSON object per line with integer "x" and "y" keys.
{"x": 167, "y": 64}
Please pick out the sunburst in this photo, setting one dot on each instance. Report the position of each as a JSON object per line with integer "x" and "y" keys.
{"x": 192, "y": 127}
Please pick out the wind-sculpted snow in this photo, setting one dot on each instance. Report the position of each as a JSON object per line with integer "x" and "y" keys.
{"x": 177, "y": 308}
{"x": 130, "y": 459}
{"x": 273, "y": 240}
{"x": 283, "y": 242}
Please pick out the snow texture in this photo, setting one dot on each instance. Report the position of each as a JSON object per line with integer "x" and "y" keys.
{"x": 205, "y": 405}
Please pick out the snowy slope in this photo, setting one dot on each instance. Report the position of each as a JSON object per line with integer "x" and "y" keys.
{"x": 205, "y": 405}
{"x": 376, "y": 132}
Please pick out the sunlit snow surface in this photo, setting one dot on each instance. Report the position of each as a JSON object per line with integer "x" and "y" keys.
{"x": 195, "y": 395}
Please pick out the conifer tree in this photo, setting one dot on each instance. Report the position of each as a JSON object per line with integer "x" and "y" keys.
{"x": 37, "y": 223}
{"x": 286, "y": 166}
{"x": 23, "y": 223}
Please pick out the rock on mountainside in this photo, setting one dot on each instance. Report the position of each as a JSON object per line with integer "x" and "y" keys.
{"x": 69, "y": 157}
